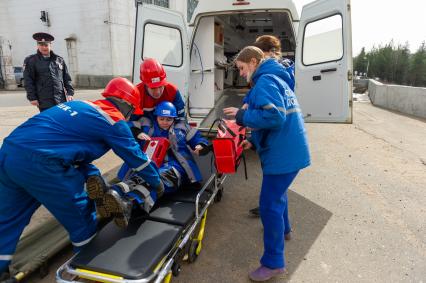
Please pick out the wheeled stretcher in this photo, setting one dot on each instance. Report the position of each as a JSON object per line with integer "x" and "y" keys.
{"x": 153, "y": 246}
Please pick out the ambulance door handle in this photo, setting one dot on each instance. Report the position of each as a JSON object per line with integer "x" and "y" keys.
{"x": 328, "y": 70}
{"x": 202, "y": 71}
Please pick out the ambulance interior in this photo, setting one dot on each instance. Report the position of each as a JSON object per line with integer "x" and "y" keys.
{"x": 214, "y": 80}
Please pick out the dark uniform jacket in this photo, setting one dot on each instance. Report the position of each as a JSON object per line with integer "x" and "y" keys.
{"x": 47, "y": 80}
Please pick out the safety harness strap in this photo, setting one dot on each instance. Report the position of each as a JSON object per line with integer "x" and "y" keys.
{"x": 148, "y": 201}
{"x": 182, "y": 160}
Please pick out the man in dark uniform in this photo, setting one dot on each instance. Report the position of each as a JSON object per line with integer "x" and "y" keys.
{"x": 46, "y": 76}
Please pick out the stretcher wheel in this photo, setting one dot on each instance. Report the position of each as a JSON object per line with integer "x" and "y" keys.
{"x": 218, "y": 196}
{"x": 192, "y": 253}
{"x": 176, "y": 269}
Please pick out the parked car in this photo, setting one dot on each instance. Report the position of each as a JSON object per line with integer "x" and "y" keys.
{"x": 19, "y": 76}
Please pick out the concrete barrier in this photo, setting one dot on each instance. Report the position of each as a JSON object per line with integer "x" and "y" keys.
{"x": 404, "y": 99}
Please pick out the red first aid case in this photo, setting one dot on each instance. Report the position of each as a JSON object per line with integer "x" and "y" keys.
{"x": 227, "y": 146}
{"x": 156, "y": 149}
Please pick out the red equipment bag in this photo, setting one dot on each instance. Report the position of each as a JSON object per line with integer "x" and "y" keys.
{"x": 227, "y": 146}
{"x": 156, "y": 149}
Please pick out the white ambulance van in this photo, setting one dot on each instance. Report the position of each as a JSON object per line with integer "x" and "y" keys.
{"x": 198, "y": 56}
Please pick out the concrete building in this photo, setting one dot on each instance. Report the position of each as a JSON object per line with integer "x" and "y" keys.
{"x": 95, "y": 37}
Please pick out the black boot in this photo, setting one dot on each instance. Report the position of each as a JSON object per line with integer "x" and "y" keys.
{"x": 96, "y": 190}
{"x": 120, "y": 208}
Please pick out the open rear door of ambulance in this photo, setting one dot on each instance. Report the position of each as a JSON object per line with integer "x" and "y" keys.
{"x": 162, "y": 34}
{"x": 324, "y": 62}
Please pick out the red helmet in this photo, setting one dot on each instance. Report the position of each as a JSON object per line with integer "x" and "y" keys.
{"x": 122, "y": 88}
{"x": 152, "y": 73}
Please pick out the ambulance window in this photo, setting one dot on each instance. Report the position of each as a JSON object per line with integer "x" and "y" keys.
{"x": 164, "y": 44}
{"x": 323, "y": 41}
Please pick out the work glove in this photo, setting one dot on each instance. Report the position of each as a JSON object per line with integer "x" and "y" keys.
{"x": 135, "y": 131}
{"x": 205, "y": 149}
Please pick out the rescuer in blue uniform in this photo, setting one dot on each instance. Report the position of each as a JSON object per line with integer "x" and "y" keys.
{"x": 279, "y": 137}
{"x": 47, "y": 160}
{"x": 178, "y": 168}
{"x": 271, "y": 47}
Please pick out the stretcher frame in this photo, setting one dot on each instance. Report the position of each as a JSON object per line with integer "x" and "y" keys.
{"x": 163, "y": 271}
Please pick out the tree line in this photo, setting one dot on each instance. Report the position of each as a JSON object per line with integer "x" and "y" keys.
{"x": 394, "y": 64}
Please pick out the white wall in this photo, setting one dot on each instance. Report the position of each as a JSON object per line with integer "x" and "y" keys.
{"x": 79, "y": 18}
{"x": 104, "y": 32}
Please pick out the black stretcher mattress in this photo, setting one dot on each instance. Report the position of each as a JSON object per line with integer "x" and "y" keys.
{"x": 131, "y": 253}
{"x": 134, "y": 252}
{"x": 178, "y": 213}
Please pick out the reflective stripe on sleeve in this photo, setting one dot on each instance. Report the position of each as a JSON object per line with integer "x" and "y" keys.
{"x": 140, "y": 168}
{"x": 281, "y": 109}
{"x": 6, "y": 257}
{"x": 82, "y": 243}
{"x": 294, "y": 110}
{"x": 271, "y": 106}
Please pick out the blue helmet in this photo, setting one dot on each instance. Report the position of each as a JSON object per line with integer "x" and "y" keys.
{"x": 165, "y": 109}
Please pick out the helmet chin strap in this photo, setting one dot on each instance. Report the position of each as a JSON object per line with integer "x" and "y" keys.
{"x": 125, "y": 108}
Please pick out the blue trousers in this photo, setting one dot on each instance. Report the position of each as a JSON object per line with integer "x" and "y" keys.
{"x": 26, "y": 182}
{"x": 274, "y": 215}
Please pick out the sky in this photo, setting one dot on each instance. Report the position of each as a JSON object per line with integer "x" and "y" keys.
{"x": 377, "y": 22}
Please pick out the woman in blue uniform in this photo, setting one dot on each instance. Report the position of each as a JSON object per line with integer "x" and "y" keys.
{"x": 279, "y": 137}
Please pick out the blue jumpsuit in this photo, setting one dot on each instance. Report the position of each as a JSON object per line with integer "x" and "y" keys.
{"x": 46, "y": 161}
{"x": 180, "y": 136}
{"x": 278, "y": 134}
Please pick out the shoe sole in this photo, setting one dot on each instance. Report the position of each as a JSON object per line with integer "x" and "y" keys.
{"x": 116, "y": 211}
{"x": 263, "y": 279}
{"x": 95, "y": 191}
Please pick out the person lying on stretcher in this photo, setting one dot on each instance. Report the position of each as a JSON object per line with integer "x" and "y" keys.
{"x": 177, "y": 169}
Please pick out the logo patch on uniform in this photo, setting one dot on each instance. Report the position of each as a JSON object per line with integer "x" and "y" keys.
{"x": 155, "y": 80}
{"x": 166, "y": 112}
